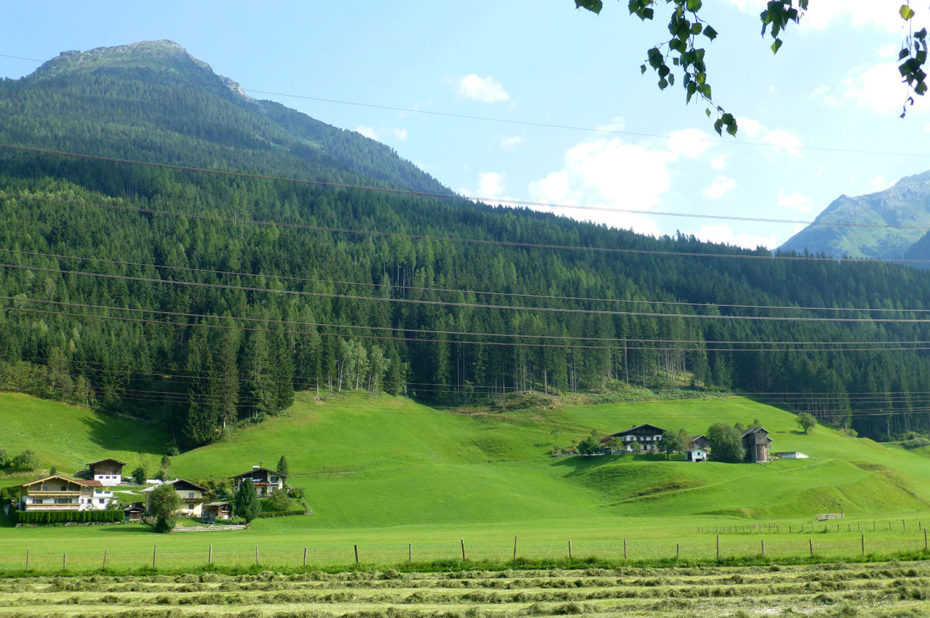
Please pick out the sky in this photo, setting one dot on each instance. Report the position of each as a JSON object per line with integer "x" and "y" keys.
{"x": 537, "y": 102}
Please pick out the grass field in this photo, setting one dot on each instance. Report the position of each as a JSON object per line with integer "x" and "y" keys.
{"x": 388, "y": 475}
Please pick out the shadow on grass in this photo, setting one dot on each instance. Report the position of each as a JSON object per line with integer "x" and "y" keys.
{"x": 116, "y": 433}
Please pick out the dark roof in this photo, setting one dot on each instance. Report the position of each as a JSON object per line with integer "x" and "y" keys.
{"x": 638, "y": 428}
{"x": 116, "y": 461}
{"x": 254, "y": 470}
{"x": 135, "y": 507}
{"x": 190, "y": 485}
{"x": 746, "y": 432}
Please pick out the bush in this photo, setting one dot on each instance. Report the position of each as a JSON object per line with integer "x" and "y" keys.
{"x": 26, "y": 460}
{"x": 164, "y": 524}
{"x": 139, "y": 475}
{"x": 64, "y": 517}
{"x": 916, "y": 442}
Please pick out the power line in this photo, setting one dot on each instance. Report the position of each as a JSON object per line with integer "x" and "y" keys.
{"x": 463, "y": 240}
{"x": 444, "y": 303}
{"x": 460, "y": 291}
{"x": 445, "y": 196}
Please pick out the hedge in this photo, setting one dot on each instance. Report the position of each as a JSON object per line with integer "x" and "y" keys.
{"x": 65, "y": 517}
{"x": 271, "y": 514}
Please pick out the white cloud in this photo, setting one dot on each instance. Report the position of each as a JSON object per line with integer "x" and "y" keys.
{"x": 491, "y": 184}
{"x": 879, "y": 183}
{"x": 794, "y": 201}
{"x": 877, "y": 87}
{"x": 718, "y": 187}
{"x": 607, "y": 175}
{"x": 787, "y": 142}
{"x": 689, "y": 143}
{"x": 617, "y": 123}
{"x": 483, "y": 89}
{"x": 380, "y": 134}
{"x": 723, "y": 233}
{"x": 857, "y": 13}
{"x": 719, "y": 163}
{"x": 511, "y": 142}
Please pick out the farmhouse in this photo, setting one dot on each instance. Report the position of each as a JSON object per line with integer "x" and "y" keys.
{"x": 61, "y": 493}
{"x": 108, "y": 472}
{"x": 265, "y": 480}
{"x": 134, "y": 511}
{"x": 191, "y": 495}
{"x": 648, "y": 436}
{"x": 698, "y": 447}
{"x": 756, "y": 443}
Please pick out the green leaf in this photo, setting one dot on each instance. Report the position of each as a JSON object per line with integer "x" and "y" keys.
{"x": 710, "y": 33}
{"x": 906, "y": 12}
{"x": 642, "y": 69}
{"x": 696, "y": 28}
{"x": 776, "y": 45}
{"x": 594, "y": 6}
{"x": 694, "y": 5}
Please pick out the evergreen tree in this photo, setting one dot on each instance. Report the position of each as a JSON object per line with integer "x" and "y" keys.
{"x": 245, "y": 503}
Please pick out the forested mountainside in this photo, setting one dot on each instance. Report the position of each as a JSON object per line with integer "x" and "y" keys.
{"x": 198, "y": 299}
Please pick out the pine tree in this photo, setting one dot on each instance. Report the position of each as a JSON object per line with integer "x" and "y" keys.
{"x": 245, "y": 503}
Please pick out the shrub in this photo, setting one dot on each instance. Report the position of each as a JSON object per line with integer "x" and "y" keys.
{"x": 26, "y": 460}
{"x": 726, "y": 443}
{"x": 139, "y": 475}
{"x": 63, "y": 517}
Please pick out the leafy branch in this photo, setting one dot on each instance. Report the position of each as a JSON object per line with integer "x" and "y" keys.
{"x": 682, "y": 52}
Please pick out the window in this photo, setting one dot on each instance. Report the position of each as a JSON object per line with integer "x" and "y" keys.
{"x": 274, "y": 479}
{"x": 101, "y": 501}
{"x": 63, "y": 501}
{"x": 190, "y": 494}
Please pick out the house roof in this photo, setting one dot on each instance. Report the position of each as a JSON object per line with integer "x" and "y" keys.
{"x": 638, "y": 428}
{"x": 100, "y": 461}
{"x": 220, "y": 503}
{"x": 174, "y": 482}
{"x": 258, "y": 469}
{"x": 67, "y": 479}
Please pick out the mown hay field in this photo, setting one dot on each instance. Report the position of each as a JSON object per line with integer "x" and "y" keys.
{"x": 837, "y": 589}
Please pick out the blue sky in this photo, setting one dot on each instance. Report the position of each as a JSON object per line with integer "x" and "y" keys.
{"x": 477, "y": 79}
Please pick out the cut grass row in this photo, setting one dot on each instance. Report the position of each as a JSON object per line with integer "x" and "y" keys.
{"x": 836, "y": 589}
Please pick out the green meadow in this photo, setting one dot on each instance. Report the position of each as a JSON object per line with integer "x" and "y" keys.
{"x": 398, "y": 481}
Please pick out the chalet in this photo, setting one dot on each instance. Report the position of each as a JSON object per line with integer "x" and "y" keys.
{"x": 108, "y": 472}
{"x": 698, "y": 448}
{"x": 265, "y": 480}
{"x": 191, "y": 495}
{"x": 756, "y": 443}
{"x": 648, "y": 436}
{"x": 134, "y": 511}
{"x": 217, "y": 510}
{"x": 61, "y": 493}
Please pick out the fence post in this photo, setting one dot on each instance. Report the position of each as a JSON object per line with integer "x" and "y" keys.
{"x": 256, "y": 555}
{"x": 677, "y": 550}
{"x": 863, "y": 545}
{"x": 763, "y": 547}
{"x": 27, "y": 558}
{"x": 811, "y": 542}
{"x": 409, "y": 552}
{"x": 356, "y": 553}
{"x": 210, "y": 555}
{"x": 305, "y": 556}
{"x": 104, "y": 567}
{"x": 64, "y": 562}
{"x": 624, "y": 549}
{"x": 515, "y": 547}
{"x": 570, "y": 549}
{"x": 718, "y": 547}
{"x": 154, "y": 554}
{"x": 925, "y": 541}
{"x": 463, "y": 548}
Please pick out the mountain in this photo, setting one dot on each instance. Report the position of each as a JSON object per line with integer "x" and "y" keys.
{"x": 841, "y": 229}
{"x": 153, "y": 101}
{"x": 202, "y": 301}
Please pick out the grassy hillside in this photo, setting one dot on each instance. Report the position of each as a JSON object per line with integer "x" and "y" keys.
{"x": 67, "y": 437}
{"x": 375, "y": 461}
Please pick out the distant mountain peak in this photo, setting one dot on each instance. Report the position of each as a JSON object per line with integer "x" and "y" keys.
{"x": 880, "y": 225}
{"x": 162, "y": 56}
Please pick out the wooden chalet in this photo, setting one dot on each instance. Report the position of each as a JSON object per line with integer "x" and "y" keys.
{"x": 191, "y": 495}
{"x": 756, "y": 443}
{"x": 62, "y": 493}
{"x": 108, "y": 472}
{"x": 264, "y": 480}
{"x": 648, "y": 436}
